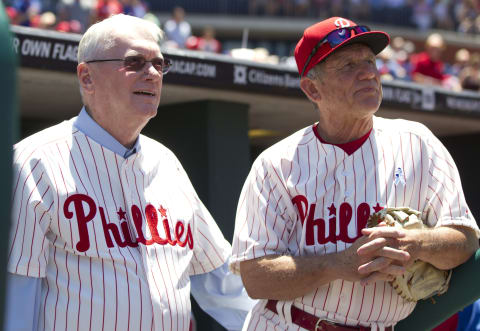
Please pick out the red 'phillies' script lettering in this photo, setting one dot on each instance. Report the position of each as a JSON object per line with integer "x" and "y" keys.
{"x": 82, "y": 219}
{"x": 111, "y": 229}
{"x": 345, "y": 213}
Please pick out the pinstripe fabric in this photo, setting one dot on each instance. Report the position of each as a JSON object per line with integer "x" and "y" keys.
{"x": 114, "y": 239}
{"x": 303, "y": 197}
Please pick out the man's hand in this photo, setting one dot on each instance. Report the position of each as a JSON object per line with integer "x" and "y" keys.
{"x": 432, "y": 251}
{"x": 371, "y": 258}
{"x": 445, "y": 247}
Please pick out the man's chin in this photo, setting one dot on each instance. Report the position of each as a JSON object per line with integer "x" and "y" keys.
{"x": 370, "y": 105}
{"x": 147, "y": 111}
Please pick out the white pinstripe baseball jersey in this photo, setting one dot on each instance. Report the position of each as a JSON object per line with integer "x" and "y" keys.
{"x": 304, "y": 197}
{"x": 114, "y": 239}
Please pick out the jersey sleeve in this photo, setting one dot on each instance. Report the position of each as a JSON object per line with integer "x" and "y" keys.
{"x": 32, "y": 202}
{"x": 210, "y": 249}
{"x": 446, "y": 204}
{"x": 264, "y": 217}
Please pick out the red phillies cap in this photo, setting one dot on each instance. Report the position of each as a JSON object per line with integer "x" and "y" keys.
{"x": 314, "y": 35}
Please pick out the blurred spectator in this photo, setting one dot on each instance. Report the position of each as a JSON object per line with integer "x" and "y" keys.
{"x": 79, "y": 11}
{"x": 476, "y": 25}
{"x": 462, "y": 59}
{"x": 47, "y": 21}
{"x": 442, "y": 19}
{"x": 300, "y": 7}
{"x": 377, "y": 10}
{"x": 259, "y": 54}
{"x": 27, "y": 11}
{"x": 177, "y": 30}
{"x": 106, "y": 8}
{"x": 206, "y": 42}
{"x": 389, "y": 65}
{"x": 465, "y": 13}
{"x": 13, "y": 16}
{"x": 359, "y": 9}
{"x": 383, "y": 61}
{"x": 134, "y": 8}
{"x": 319, "y": 8}
{"x": 422, "y": 14}
{"x": 428, "y": 66}
{"x": 469, "y": 76}
{"x": 262, "y": 7}
{"x": 397, "y": 12}
{"x": 337, "y": 8}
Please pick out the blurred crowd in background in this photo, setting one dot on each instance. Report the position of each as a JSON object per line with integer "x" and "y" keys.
{"x": 400, "y": 61}
{"x": 455, "y": 15}
{"x": 459, "y": 15}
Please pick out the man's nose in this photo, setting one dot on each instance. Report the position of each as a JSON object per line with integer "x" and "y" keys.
{"x": 368, "y": 70}
{"x": 151, "y": 72}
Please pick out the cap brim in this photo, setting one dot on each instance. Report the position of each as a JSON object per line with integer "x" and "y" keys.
{"x": 376, "y": 40}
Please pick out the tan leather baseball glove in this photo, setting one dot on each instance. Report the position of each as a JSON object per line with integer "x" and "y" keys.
{"x": 421, "y": 280}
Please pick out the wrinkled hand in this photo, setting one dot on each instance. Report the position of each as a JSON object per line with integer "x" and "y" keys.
{"x": 377, "y": 255}
{"x": 389, "y": 242}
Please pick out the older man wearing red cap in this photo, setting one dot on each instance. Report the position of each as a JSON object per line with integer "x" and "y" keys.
{"x": 300, "y": 241}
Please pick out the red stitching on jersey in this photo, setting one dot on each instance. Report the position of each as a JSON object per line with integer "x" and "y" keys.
{"x": 421, "y": 172}
{"x": 361, "y": 305}
{"x": 33, "y": 237}
{"x": 403, "y": 167}
{"x": 373, "y": 301}
{"x": 201, "y": 265}
{"x": 390, "y": 305}
{"x": 434, "y": 150}
{"x": 374, "y": 167}
{"x": 45, "y": 305}
{"x": 265, "y": 219}
{"x": 385, "y": 175}
{"x": 79, "y": 292}
{"x": 91, "y": 184}
{"x": 158, "y": 290}
{"x": 56, "y": 190}
{"x": 393, "y": 174}
{"x": 396, "y": 307}
{"x": 21, "y": 204}
{"x": 413, "y": 168}
{"x": 25, "y": 220}
{"x": 68, "y": 292}
{"x": 119, "y": 251}
{"x": 66, "y": 189}
{"x": 208, "y": 240}
{"x": 254, "y": 213}
{"x": 56, "y": 284}
{"x": 383, "y": 299}
{"x": 350, "y": 304}
{"x": 338, "y": 303}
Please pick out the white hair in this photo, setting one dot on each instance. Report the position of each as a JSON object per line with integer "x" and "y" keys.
{"x": 315, "y": 72}
{"x": 101, "y": 36}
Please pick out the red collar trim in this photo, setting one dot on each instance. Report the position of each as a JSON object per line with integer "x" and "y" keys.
{"x": 349, "y": 147}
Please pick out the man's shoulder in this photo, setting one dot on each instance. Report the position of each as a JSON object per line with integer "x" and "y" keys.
{"x": 152, "y": 146}
{"x": 287, "y": 147}
{"x": 48, "y": 136}
{"x": 401, "y": 126}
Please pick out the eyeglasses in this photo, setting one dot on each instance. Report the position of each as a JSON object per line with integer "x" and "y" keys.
{"x": 136, "y": 63}
{"x": 335, "y": 38}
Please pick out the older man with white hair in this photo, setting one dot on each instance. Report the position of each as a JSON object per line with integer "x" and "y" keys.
{"x": 107, "y": 230}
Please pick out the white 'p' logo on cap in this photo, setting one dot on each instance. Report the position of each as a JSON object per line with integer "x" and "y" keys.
{"x": 342, "y": 23}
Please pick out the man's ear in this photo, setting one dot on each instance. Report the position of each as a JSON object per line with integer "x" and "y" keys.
{"x": 85, "y": 77}
{"x": 310, "y": 88}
